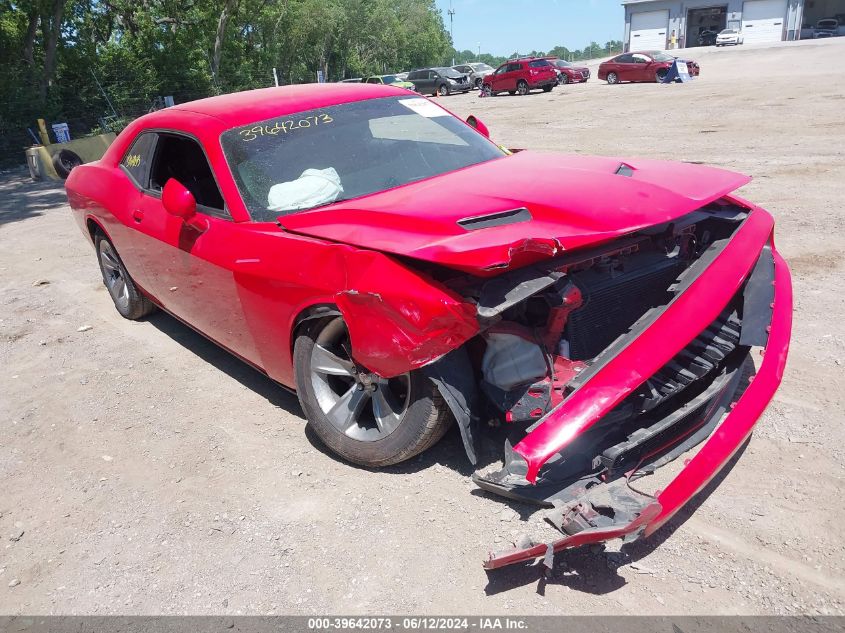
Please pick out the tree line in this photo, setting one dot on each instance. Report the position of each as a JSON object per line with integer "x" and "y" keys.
{"x": 97, "y": 63}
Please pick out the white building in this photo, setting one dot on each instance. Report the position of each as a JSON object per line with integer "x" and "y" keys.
{"x": 651, "y": 24}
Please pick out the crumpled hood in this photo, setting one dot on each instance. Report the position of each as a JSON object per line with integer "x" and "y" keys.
{"x": 571, "y": 202}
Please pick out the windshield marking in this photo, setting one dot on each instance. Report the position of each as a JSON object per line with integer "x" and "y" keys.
{"x": 288, "y": 125}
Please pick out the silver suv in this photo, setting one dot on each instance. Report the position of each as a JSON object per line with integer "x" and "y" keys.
{"x": 477, "y": 71}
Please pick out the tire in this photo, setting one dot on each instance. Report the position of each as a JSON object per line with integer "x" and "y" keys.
{"x": 443, "y": 90}
{"x": 547, "y": 88}
{"x": 422, "y": 417}
{"x": 612, "y": 79}
{"x": 660, "y": 75}
{"x": 522, "y": 88}
{"x": 64, "y": 161}
{"x": 477, "y": 84}
{"x": 563, "y": 79}
{"x": 511, "y": 92}
{"x": 128, "y": 300}
{"x": 487, "y": 90}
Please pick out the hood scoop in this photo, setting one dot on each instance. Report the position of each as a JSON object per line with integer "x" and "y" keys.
{"x": 501, "y": 218}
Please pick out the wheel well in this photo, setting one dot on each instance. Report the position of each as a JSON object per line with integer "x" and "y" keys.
{"x": 93, "y": 228}
{"x": 310, "y": 318}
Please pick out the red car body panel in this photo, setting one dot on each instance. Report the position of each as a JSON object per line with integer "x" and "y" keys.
{"x": 714, "y": 454}
{"x": 413, "y": 221}
{"x": 689, "y": 314}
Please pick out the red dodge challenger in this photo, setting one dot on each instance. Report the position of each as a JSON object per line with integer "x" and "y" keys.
{"x": 401, "y": 272}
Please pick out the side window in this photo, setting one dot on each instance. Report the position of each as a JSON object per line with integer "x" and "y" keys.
{"x": 641, "y": 59}
{"x": 514, "y": 67}
{"x": 413, "y": 75}
{"x": 182, "y": 158}
{"x": 501, "y": 69}
{"x": 432, "y": 74}
{"x": 138, "y": 158}
{"x": 624, "y": 59}
{"x": 373, "y": 80}
{"x": 538, "y": 63}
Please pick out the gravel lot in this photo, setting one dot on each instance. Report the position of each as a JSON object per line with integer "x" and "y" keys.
{"x": 142, "y": 470}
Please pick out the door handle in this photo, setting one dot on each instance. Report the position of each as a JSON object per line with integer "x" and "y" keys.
{"x": 138, "y": 215}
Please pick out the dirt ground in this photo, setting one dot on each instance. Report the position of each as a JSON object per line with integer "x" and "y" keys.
{"x": 143, "y": 470}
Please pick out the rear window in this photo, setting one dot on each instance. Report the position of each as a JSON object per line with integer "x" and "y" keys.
{"x": 539, "y": 63}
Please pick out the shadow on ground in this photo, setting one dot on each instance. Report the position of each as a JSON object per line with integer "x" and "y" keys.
{"x": 22, "y": 198}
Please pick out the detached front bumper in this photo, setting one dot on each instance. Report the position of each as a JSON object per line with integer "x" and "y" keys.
{"x": 644, "y": 516}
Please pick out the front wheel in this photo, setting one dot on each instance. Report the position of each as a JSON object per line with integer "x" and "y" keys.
{"x": 612, "y": 78}
{"x": 563, "y": 80}
{"x": 522, "y": 88}
{"x": 660, "y": 75}
{"x": 442, "y": 90}
{"x": 362, "y": 417}
{"x": 487, "y": 90}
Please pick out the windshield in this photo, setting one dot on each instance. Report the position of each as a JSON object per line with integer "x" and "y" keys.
{"x": 302, "y": 161}
{"x": 390, "y": 79}
{"x": 480, "y": 67}
{"x": 448, "y": 72}
{"x": 562, "y": 63}
{"x": 660, "y": 57}
{"x": 728, "y": 32}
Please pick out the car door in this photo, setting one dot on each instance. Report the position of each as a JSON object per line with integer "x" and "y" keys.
{"x": 427, "y": 82}
{"x": 641, "y": 68}
{"x": 624, "y": 67}
{"x": 189, "y": 265}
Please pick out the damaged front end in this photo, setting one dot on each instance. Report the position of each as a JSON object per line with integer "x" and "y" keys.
{"x": 604, "y": 365}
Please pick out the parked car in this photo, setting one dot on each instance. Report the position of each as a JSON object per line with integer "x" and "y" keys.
{"x": 641, "y": 66}
{"x": 520, "y": 76}
{"x": 476, "y": 71}
{"x": 729, "y": 37}
{"x": 439, "y": 81}
{"x": 606, "y": 310}
{"x": 390, "y": 80}
{"x": 707, "y": 38}
{"x": 569, "y": 73}
{"x": 827, "y": 27}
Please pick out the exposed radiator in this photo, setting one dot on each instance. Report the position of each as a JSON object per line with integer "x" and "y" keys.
{"x": 613, "y": 301}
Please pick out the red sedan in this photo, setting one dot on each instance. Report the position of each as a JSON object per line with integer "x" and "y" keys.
{"x": 649, "y": 66}
{"x": 401, "y": 272}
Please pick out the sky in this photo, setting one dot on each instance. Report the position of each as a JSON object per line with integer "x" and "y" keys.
{"x": 502, "y": 27}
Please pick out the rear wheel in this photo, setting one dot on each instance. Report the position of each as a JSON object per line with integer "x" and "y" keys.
{"x": 128, "y": 300}
{"x": 362, "y": 417}
{"x": 612, "y": 78}
{"x": 522, "y": 88}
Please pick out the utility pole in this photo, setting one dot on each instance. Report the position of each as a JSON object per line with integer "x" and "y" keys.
{"x": 275, "y": 77}
{"x": 478, "y": 57}
{"x": 452, "y": 28}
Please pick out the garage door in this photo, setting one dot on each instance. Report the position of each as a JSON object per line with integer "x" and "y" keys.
{"x": 648, "y": 30}
{"x": 762, "y": 20}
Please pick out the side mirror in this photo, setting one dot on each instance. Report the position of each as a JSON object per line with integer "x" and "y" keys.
{"x": 177, "y": 200}
{"x": 478, "y": 125}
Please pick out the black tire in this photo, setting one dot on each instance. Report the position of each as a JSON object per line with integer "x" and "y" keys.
{"x": 522, "y": 88}
{"x": 477, "y": 84}
{"x": 64, "y": 161}
{"x": 443, "y": 90}
{"x": 487, "y": 89}
{"x": 547, "y": 88}
{"x": 425, "y": 420}
{"x": 612, "y": 79}
{"x": 660, "y": 75}
{"x": 511, "y": 92}
{"x": 563, "y": 79}
{"x": 131, "y": 304}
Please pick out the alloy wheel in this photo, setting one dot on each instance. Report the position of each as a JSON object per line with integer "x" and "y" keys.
{"x": 358, "y": 403}
{"x": 113, "y": 274}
